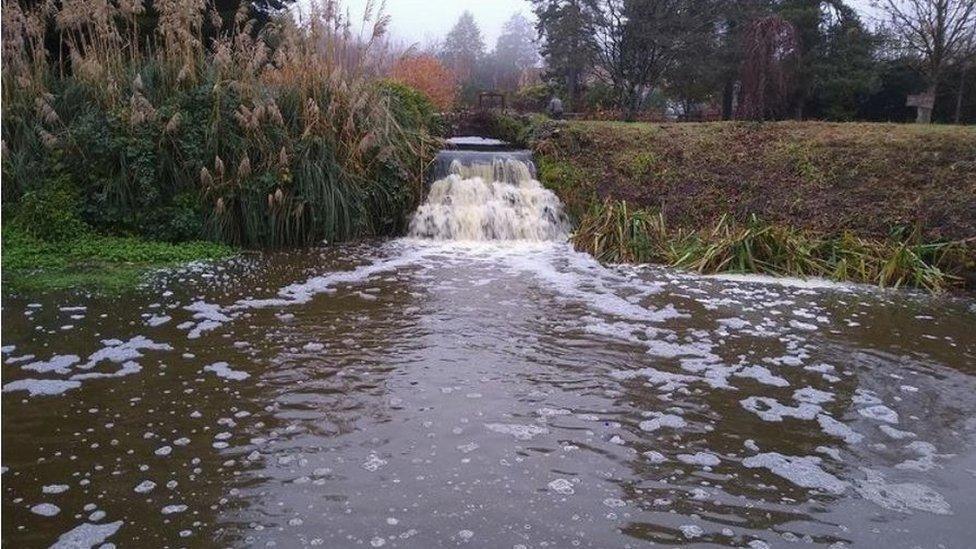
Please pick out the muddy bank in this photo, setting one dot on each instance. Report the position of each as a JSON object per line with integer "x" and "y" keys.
{"x": 826, "y": 177}
{"x": 871, "y": 180}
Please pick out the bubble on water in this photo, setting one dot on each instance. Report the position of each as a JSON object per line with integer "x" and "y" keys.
{"x": 377, "y": 542}
{"x": 96, "y": 516}
{"x": 562, "y": 486}
{"x": 373, "y": 462}
{"x": 465, "y": 535}
{"x": 691, "y": 531}
{"x": 145, "y": 487}
{"x": 468, "y": 448}
{"x": 313, "y": 347}
{"x": 550, "y": 412}
{"x": 173, "y": 509}
{"x": 54, "y": 488}
{"x": 45, "y": 509}
{"x": 163, "y": 451}
{"x": 614, "y": 502}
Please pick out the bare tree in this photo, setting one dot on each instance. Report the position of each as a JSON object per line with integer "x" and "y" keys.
{"x": 940, "y": 32}
{"x": 772, "y": 51}
{"x": 639, "y": 41}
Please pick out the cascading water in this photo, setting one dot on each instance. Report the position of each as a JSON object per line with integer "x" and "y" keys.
{"x": 488, "y": 195}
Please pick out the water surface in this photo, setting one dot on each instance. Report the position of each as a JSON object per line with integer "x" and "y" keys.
{"x": 433, "y": 394}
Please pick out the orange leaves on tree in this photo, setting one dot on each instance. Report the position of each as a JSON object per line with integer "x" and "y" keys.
{"x": 428, "y": 75}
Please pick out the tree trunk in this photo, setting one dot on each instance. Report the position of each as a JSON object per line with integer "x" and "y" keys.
{"x": 727, "y": 97}
{"x": 962, "y": 84}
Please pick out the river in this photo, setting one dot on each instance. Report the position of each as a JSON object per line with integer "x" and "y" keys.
{"x": 429, "y": 392}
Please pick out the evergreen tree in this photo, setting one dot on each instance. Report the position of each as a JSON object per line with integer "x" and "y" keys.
{"x": 463, "y": 51}
{"x": 515, "y": 52}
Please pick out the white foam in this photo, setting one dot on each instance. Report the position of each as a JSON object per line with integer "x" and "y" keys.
{"x": 58, "y": 363}
{"x": 87, "y": 535}
{"x": 41, "y": 387}
{"x": 804, "y": 471}
{"x": 770, "y": 409}
{"x": 520, "y": 432}
{"x": 704, "y": 459}
{"x": 812, "y": 283}
{"x": 835, "y": 428}
{"x": 880, "y": 412}
{"x": 222, "y": 369}
{"x": 902, "y": 497}
{"x": 662, "y": 420}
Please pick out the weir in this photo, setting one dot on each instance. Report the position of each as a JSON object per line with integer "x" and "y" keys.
{"x": 485, "y": 191}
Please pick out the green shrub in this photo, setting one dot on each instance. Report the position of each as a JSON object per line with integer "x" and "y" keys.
{"x": 410, "y": 106}
{"x": 52, "y": 212}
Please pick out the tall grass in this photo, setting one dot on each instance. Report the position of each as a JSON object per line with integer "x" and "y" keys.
{"x": 278, "y": 137}
{"x": 615, "y": 233}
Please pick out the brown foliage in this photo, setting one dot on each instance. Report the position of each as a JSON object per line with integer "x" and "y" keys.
{"x": 428, "y": 75}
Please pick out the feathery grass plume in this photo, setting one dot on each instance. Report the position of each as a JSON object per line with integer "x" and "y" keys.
{"x": 296, "y": 107}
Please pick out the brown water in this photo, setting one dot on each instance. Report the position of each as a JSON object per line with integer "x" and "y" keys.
{"x": 423, "y": 394}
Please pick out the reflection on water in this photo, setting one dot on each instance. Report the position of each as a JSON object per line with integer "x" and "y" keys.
{"x": 428, "y": 394}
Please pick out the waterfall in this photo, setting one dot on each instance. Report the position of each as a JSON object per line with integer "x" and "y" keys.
{"x": 480, "y": 195}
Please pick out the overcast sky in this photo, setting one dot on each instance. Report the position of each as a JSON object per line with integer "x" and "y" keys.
{"x": 424, "y": 21}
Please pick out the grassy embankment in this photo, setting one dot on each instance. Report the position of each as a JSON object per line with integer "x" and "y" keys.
{"x": 880, "y": 203}
{"x": 284, "y": 137}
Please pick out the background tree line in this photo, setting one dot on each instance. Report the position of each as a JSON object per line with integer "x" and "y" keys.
{"x": 761, "y": 59}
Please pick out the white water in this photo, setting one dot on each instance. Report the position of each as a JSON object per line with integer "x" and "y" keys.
{"x": 490, "y": 201}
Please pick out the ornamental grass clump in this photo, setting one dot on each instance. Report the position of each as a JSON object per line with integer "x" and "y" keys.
{"x": 613, "y": 232}
{"x": 283, "y": 135}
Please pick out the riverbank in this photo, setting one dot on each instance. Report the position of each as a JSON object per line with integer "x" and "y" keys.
{"x": 91, "y": 262}
{"x": 895, "y": 193}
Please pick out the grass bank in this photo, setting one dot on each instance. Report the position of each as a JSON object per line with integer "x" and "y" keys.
{"x": 889, "y": 204}
{"x": 92, "y": 262}
{"x": 119, "y": 121}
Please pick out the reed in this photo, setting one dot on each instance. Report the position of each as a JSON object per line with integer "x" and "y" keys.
{"x": 613, "y": 232}
{"x": 282, "y": 137}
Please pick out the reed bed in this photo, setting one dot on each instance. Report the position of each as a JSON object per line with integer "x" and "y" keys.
{"x": 285, "y": 135}
{"x": 614, "y": 232}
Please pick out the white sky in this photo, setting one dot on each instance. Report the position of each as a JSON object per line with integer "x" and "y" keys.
{"x": 422, "y": 21}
